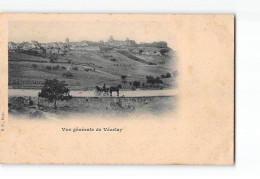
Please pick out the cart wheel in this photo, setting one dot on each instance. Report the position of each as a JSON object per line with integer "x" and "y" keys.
{"x": 95, "y": 93}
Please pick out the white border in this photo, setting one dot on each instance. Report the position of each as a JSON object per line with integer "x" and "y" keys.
{"x": 247, "y": 94}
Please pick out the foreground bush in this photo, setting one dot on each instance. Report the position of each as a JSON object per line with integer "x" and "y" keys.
{"x": 67, "y": 74}
{"x": 18, "y": 103}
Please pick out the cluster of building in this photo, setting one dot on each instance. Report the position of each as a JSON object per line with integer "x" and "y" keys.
{"x": 120, "y": 43}
{"x": 63, "y": 47}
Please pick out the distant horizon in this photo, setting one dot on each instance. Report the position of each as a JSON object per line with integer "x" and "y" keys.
{"x": 81, "y": 41}
{"x": 84, "y": 40}
{"x": 21, "y": 41}
{"x": 64, "y": 41}
{"x": 47, "y": 32}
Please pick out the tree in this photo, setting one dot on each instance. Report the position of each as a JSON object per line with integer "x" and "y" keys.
{"x": 53, "y": 57}
{"x": 54, "y": 90}
{"x": 136, "y": 84}
{"x": 123, "y": 77}
{"x": 57, "y": 67}
{"x": 48, "y": 67}
{"x": 168, "y": 75}
{"x": 158, "y": 80}
{"x": 141, "y": 51}
{"x": 150, "y": 79}
{"x": 163, "y": 76}
{"x": 164, "y": 51}
{"x": 63, "y": 68}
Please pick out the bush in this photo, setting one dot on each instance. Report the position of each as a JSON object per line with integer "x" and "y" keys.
{"x": 30, "y": 101}
{"x": 63, "y": 68}
{"x": 48, "y": 67}
{"x": 123, "y": 77}
{"x": 75, "y": 68}
{"x": 19, "y": 103}
{"x": 67, "y": 74}
{"x": 163, "y": 76}
{"x": 158, "y": 80}
{"x": 136, "y": 84}
{"x": 168, "y": 75}
{"x": 164, "y": 51}
{"x": 57, "y": 67}
{"x": 87, "y": 69}
{"x": 34, "y": 66}
{"x": 150, "y": 79}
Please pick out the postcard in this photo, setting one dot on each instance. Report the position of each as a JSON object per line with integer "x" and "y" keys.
{"x": 117, "y": 89}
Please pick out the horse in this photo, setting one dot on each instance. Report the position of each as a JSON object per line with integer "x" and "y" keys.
{"x": 98, "y": 91}
{"x": 105, "y": 91}
{"x": 114, "y": 88}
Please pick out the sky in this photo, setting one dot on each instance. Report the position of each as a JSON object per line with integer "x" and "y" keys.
{"x": 50, "y": 31}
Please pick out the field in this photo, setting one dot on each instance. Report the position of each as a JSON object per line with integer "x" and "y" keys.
{"x": 92, "y": 105}
{"x": 83, "y": 70}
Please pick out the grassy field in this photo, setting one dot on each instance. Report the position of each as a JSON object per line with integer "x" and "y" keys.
{"x": 92, "y": 105}
{"x": 88, "y": 69}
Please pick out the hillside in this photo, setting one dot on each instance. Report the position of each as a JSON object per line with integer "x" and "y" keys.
{"x": 83, "y": 70}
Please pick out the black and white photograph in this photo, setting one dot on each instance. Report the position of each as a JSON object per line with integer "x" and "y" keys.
{"x": 52, "y": 74}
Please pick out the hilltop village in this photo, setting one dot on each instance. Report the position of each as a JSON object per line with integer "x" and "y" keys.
{"x": 86, "y": 64}
{"x": 45, "y": 49}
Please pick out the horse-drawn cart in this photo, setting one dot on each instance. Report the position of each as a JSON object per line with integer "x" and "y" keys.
{"x": 101, "y": 92}
{"x": 106, "y": 91}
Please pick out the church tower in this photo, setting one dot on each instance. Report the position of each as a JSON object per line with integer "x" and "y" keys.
{"x": 67, "y": 41}
{"x": 111, "y": 39}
